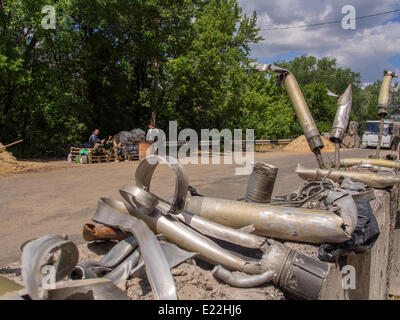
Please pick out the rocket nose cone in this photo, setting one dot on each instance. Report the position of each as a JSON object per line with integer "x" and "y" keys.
{"x": 347, "y": 96}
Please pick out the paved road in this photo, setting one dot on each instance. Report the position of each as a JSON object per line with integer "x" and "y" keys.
{"x": 62, "y": 200}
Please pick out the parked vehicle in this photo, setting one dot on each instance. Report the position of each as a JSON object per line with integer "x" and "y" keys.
{"x": 390, "y": 138}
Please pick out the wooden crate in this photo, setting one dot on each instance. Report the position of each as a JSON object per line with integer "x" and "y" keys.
{"x": 75, "y": 151}
{"x": 111, "y": 158}
{"x": 101, "y": 158}
{"x": 143, "y": 147}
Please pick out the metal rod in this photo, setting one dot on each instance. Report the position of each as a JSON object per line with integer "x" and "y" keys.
{"x": 337, "y": 155}
{"x": 11, "y": 144}
{"x": 378, "y": 147}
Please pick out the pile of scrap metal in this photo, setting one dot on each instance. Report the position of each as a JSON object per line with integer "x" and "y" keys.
{"x": 213, "y": 230}
{"x": 216, "y": 230}
{"x": 231, "y": 235}
{"x": 329, "y": 210}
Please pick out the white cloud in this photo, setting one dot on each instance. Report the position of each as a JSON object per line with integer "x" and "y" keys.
{"x": 366, "y": 49}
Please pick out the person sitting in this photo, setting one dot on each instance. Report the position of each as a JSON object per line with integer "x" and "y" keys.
{"x": 93, "y": 139}
{"x": 118, "y": 148}
{"x": 95, "y": 142}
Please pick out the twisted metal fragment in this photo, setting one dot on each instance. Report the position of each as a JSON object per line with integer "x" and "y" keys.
{"x": 157, "y": 268}
{"x": 144, "y": 174}
{"x": 51, "y": 250}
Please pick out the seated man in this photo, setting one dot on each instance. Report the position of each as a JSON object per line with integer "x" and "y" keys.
{"x": 95, "y": 142}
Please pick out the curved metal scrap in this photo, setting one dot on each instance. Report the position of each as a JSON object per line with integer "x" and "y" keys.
{"x": 42, "y": 252}
{"x": 95, "y": 269}
{"x": 123, "y": 260}
{"x": 240, "y": 281}
{"x": 145, "y": 171}
{"x": 157, "y": 268}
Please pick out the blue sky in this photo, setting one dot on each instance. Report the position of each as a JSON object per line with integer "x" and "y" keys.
{"x": 369, "y": 49}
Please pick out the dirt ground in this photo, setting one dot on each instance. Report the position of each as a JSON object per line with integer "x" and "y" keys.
{"x": 62, "y": 198}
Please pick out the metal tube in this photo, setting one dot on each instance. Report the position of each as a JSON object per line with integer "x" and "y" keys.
{"x": 304, "y": 116}
{"x": 342, "y": 116}
{"x": 301, "y": 108}
{"x": 298, "y": 224}
{"x": 383, "y": 104}
{"x": 380, "y": 135}
{"x": 384, "y": 94}
{"x": 375, "y": 162}
{"x": 337, "y": 155}
{"x": 371, "y": 179}
{"x": 261, "y": 183}
{"x": 242, "y": 281}
{"x": 221, "y": 232}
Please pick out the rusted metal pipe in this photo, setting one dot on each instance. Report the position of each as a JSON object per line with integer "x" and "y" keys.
{"x": 383, "y": 104}
{"x": 92, "y": 233}
{"x": 375, "y": 162}
{"x": 371, "y": 179}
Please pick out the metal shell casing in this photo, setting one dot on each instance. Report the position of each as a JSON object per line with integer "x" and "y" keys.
{"x": 384, "y": 94}
{"x": 342, "y": 116}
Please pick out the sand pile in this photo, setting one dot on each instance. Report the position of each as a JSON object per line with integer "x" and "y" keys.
{"x": 10, "y": 165}
{"x": 301, "y": 145}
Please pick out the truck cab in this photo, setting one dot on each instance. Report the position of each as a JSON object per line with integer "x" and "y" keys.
{"x": 390, "y": 138}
